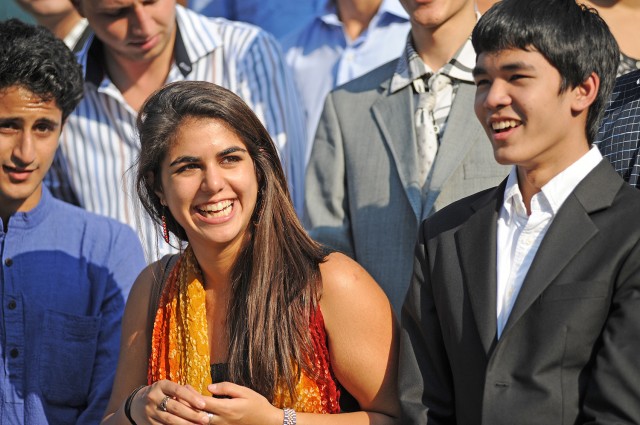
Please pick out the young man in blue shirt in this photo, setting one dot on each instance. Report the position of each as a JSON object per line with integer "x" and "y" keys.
{"x": 65, "y": 272}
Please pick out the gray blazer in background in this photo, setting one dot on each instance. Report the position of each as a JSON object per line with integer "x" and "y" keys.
{"x": 363, "y": 196}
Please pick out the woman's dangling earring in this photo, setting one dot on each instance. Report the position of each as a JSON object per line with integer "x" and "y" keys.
{"x": 165, "y": 231}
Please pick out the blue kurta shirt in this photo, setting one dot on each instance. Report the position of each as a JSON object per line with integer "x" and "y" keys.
{"x": 65, "y": 276}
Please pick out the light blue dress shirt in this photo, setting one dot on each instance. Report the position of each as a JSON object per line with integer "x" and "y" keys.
{"x": 322, "y": 57}
{"x": 65, "y": 275}
{"x": 279, "y": 17}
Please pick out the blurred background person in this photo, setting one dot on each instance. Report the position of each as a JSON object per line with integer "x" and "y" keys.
{"x": 623, "y": 19}
{"x": 65, "y": 272}
{"x": 484, "y": 5}
{"x": 61, "y": 18}
{"x": 253, "y": 311}
{"x": 399, "y": 143}
{"x": 347, "y": 39}
{"x": 279, "y": 17}
{"x": 138, "y": 47}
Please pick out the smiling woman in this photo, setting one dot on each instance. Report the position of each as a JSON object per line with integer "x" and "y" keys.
{"x": 209, "y": 184}
{"x": 254, "y": 312}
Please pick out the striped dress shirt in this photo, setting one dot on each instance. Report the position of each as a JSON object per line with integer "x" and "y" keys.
{"x": 99, "y": 143}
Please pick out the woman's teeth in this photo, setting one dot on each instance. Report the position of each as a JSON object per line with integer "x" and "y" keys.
{"x": 219, "y": 209}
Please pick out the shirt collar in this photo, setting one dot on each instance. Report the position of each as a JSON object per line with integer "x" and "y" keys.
{"x": 411, "y": 67}
{"x": 558, "y": 189}
{"x": 512, "y": 196}
{"x": 329, "y": 11}
{"x": 33, "y": 217}
{"x": 393, "y": 7}
{"x": 75, "y": 34}
{"x": 94, "y": 57}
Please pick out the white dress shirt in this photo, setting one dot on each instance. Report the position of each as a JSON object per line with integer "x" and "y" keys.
{"x": 520, "y": 235}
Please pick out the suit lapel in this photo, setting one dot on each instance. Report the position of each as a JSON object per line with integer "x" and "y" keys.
{"x": 476, "y": 243}
{"x": 459, "y": 137}
{"x": 394, "y": 115}
{"x": 571, "y": 229}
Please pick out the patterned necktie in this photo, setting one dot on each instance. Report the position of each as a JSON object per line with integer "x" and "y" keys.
{"x": 426, "y": 128}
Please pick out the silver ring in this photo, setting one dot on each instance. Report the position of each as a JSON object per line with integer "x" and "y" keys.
{"x": 163, "y": 404}
{"x": 211, "y": 416}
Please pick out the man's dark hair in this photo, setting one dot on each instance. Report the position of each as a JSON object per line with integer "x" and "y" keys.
{"x": 571, "y": 36}
{"x": 33, "y": 58}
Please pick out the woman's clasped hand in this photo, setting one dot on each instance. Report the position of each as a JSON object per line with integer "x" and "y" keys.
{"x": 240, "y": 405}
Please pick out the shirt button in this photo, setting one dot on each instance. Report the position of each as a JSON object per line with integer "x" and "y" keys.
{"x": 12, "y": 305}
{"x": 8, "y": 262}
{"x": 14, "y": 353}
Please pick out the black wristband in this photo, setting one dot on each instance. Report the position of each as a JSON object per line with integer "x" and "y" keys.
{"x": 127, "y": 404}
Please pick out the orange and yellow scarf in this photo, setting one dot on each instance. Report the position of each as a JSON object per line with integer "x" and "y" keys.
{"x": 180, "y": 345}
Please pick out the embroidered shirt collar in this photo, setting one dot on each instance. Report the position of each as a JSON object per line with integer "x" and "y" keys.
{"x": 411, "y": 67}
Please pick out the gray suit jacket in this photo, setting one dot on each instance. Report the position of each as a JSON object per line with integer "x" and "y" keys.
{"x": 363, "y": 196}
{"x": 569, "y": 350}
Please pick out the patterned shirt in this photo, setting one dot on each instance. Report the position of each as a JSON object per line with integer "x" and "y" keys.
{"x": 619, "y": 134}
{"x": 627, "y": 64}
{"x": 434, "y": 93}
{"x": 99, "y": 143}
{"x": 411, "y": 67}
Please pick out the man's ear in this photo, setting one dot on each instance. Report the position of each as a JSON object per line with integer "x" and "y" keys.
{"x": 78, "y": 5}
{"x": 585, "y": 93}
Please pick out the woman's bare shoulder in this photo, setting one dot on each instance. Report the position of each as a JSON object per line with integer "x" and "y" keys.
{"x": 345, "y": 282}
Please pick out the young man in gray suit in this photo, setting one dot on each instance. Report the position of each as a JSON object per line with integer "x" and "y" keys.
{"x": 399, "y": 143}
{"x": 525, "y": 302}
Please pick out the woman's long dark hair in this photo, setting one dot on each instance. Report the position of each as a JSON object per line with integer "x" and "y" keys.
{"x": 276, "y": 277}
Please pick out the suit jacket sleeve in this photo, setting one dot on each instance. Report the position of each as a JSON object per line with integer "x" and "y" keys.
{"x": 613, "y": 391}
{"x": 425, "y": 381}
{"x": 327, "y": 207}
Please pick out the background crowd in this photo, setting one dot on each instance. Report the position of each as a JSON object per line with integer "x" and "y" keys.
{"x": 314, "y": 207}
